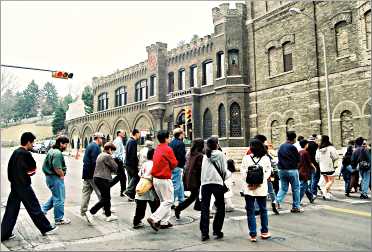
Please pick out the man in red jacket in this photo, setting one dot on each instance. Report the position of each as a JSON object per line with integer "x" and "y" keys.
{"x": 164, "y": 161}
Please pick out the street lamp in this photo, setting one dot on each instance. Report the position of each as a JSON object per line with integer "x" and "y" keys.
{"x": 298, "y": 11}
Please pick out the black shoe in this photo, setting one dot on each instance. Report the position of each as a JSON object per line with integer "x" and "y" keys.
{"x": 205, "y": 237}
{"x": 177, "y": 213}
{"x": 363, "y": 197}
{"x": 169, "y": 225}
{"x": 312, "y": 199}
{"x": 121, "y": 195}
{"x": 130, "y": 198}
{"x": 347, "y": 194}
{"x": 218, "y": 235}
{"x": 273, "y": 205}
{"x": 153, "y": 224}
{"x": 173, "y": 207}
{"x": 138, "y": 225}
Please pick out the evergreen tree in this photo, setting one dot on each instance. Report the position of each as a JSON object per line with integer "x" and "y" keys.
{"x": 66, "y": 101}
{"x": 50, "y": 96}
{"x": 87, "y": 97}
{"x": 58, "y": 123}
{"x": 7, "y": 106}
{"x": 20, "y": 107}
{"x": 31, "y": 99}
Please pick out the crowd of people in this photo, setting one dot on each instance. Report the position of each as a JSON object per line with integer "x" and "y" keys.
{"x": 159, "y": 176}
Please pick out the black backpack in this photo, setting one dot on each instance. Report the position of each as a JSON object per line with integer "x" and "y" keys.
{"x": 255, "y": 174}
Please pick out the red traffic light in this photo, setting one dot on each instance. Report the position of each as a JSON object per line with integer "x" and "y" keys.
{"x": 62, "y": 75}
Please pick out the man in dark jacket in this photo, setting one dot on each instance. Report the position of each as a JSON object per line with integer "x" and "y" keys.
{"x": 315, "y": 175}
{"x": 21, "y": 166}
{"x": 361, "y": 159}
{"x": 289, "y": 159}
{"x": 131, "y": 164}
{"x": 89, "y": 164}
{"x": 179, "y": 150}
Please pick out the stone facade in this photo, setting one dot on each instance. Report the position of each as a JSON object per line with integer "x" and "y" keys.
{"x": 267, "y": 76}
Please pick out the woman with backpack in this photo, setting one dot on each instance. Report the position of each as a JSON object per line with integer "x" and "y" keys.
{"x": 213, "y": 174}
{"x": 326, "y": 156}
{"x": 192, "y": 175}
{"x": 255, "y": 170}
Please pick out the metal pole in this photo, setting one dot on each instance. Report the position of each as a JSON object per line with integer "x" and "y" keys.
{"x": 327, "y": 88}
{"x": 28, "y": 68}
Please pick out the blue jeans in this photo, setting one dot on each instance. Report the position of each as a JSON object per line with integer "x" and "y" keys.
{"x": 315, "y": 177}
{"x": 179, "y": 192}
{"x": 249, "y": 206}
{"x": 271, "y": 192}
{"x": 305, "y": 189}
{"x": 346, "y": 174}
{"x": 289, "y": 177}
{"x": 57, "y": 201}
{"x": 366, "y": 176}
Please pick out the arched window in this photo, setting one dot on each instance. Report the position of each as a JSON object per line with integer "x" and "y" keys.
{"x": 72, "y": 144}
{"x": 290, "y": 125}
{"x": 181, "y": 79}
{"x": 342, "y": 40}
{"x": 121, "y": 96}
{"x": 275, "y": 133}
{"x": 221, "y": 121}
{"x": 142, "y": 91}
{"x": 193, "y": 76}
{"x": 235, "y": 121}
{"x": 233, "y": 62}
{"x": 102, "y": 102}
{"x": 367, "y": 25}
{"x": 271, "y": 61}
{"x": 170, "y": 82}
{"x": 287, "y": 56}
{"x": 85, "y": 143}
{"x": 220, "y": 64}
{"x": 347, "y": 129}
{"x": 207, "y": 124}
{"x": 90, "y": 139}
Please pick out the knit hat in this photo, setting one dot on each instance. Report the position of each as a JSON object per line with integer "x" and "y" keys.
{"x": 177, "y": 130}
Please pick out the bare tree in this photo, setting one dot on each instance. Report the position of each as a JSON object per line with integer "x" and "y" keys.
{"x": 181, "y": 43}
{"x": 8, "y": 81}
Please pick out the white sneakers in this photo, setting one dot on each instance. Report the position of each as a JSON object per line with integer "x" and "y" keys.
{"x": 111, "y": 218}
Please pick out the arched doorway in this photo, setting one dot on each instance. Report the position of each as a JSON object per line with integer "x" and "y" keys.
{"x": 207, "y": 124}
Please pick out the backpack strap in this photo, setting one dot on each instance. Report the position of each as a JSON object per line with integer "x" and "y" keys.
{"x": 218, "y": 170}
{"x": 254, "y": 161}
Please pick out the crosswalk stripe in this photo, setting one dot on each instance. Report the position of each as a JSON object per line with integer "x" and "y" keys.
{"x": 349, "y": 211}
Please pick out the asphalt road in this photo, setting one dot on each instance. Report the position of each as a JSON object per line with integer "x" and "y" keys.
{"x": 341, "y": 224}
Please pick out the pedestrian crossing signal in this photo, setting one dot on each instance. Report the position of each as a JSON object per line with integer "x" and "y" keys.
{"x": 62, "y": 75}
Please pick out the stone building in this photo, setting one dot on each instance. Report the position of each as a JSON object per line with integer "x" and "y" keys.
{"x": 261, "y": 71}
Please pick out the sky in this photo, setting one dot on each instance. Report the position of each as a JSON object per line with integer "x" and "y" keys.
{"x": 92, "y": 38}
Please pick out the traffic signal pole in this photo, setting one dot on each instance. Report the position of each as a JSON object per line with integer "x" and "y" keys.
{"x": 55, "y": 74}
{"x": 28, "y": 68}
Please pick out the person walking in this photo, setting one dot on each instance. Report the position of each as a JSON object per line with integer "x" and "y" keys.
{"x": 119, "y": 157}
{"x": 347, "y": 169}
{"x": 164, "y": 162}
{"x": 149, "y": 197}
{"x": 89, "y": 164}
{"x": 306, "y": 167}
{"x": 105, "y": 165}
{"x": 326, "y": 156}
{"x": 361, "y": 160}
{"x": 54, "y": 168}
{"x": 297, "y": 144}
{"x": 315, "y": 175}
{"x": 213, "y": 174}
{"x": 20, "y": 167}
{"x": 256, "y": 192}
{"x": 143, "y": 152}
{"x": 131, "y": 164}
{"x": 192, "y": 176}
{"x": 179, "y": 150}
{"x": 288, "y": 172}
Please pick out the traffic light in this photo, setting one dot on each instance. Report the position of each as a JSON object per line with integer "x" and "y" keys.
{"x": 188, "y": 114}
{"x": 62, "y": 75}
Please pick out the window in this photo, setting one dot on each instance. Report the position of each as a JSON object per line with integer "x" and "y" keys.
{"x": 221, "y": 121}
{"x": 120, "y": 96}
{"x": 367, "y": 22}
{"x": 235, "y": 121}
{"x": 170, "y": 82}
{"x": 234, "y": 62}
{"x": 207, "y": 124}
{"x": 141, "y": 91}
{"x": 287, "y": 57}
{"x": 271, "y": 61}
{"x": 342, "y": 40}
{"x": 193, "y": 76}
{"x": 181, "y": 79}
{"x": 347, "y": 129}
{"x": 208, "y": 73}
{"x": 102, "y": 102}
{"x": 220, "y": 65}
{"x": 290, "y": 125}
{"x": 275, "y": 133}
{"x": 152, "y": 85}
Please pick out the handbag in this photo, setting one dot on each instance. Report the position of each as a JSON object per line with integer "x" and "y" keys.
{"x": 143, "y": 186}
{"x": 225, "y": 188}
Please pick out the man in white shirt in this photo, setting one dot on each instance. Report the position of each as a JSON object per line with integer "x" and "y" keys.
{"x": 119, "y": 157}
{"x": 297, "y": 144}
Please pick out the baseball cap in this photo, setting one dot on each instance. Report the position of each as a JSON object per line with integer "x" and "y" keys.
{"x": 98, "y": 134}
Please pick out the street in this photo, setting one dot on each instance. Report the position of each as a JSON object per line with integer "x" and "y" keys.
{"x": 340, "y": 224}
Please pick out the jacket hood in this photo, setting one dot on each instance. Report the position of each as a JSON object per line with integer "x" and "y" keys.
{"x": 215, "y": 155}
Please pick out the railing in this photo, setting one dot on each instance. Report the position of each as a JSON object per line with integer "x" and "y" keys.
{"x": 125, "y": 109}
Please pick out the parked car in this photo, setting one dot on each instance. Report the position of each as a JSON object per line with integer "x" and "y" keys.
{"x": 38, "y": 148}
{"x": 48, "y": 144}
